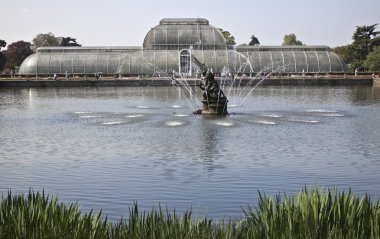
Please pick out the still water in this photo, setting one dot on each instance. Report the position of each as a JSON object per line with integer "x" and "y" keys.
{"x": 108, "y": 147}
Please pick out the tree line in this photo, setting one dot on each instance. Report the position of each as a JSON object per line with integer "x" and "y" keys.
{"x": 362, "y": 54}
{"x": 17, "y": 52}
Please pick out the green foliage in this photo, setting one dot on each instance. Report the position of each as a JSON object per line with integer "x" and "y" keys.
{"x": 309, "y": 214}
{"x": 39, "y": 216}
{"x": 45, "y": 40}
{"x": 376, "y": 41}
{"x": 2, "y": 43}
{"x": 16, "y": 53}
{"x": 365, "y": 33}
{"x": 48, "y": 39}
{"x": 2, "y": 61}
{"x": 67, "y": 41}
{"x": 290, "y": 40}
{"x": 315, "y": 214}
{"x": 372, "y": 61}
{"x": 254, "y": 41}
{"x": 344, "y": 52}
{"x": 364, "y": 41}
{"x": 230, "y": 40}
{"x": 2, "y": 57}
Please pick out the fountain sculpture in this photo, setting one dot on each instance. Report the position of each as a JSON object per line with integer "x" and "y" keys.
{"x": 214, "y": 101}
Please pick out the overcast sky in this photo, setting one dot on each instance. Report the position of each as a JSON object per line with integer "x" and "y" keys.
{"x": 126, "y": 22}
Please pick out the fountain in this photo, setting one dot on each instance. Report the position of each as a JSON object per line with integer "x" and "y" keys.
{"x": 237, "y": 84}
{"x": 214, "y": 101}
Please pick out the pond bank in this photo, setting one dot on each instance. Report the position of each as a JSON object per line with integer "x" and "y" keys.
{"x": 166, "y": 81}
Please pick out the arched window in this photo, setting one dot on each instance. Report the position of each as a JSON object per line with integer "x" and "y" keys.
{"x": 185, "y": 63}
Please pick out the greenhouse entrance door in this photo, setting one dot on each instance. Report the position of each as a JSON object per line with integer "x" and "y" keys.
{"x": 185, "y": 63}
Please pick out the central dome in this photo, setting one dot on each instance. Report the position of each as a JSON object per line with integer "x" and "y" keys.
{"x": 181, "y": 33}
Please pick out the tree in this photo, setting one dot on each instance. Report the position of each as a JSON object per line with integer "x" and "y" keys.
{"x": 67, "y": 41}
{"x": 16, "y": 53}
{"x": 254, "y": 41}
{"x": 364, "y": 41}
{"x": 372, "y": 61}
{"x": 376, "y": 41}
{"x": 2, "y": 57}
{"x": 2, "y": 61}
{"x": 230, "y": 40}
{"x": 344, "y": 52}
{"x": 2, "y": 43}
{"x": 47, "y": 39}
{"x": 291, "y": 40}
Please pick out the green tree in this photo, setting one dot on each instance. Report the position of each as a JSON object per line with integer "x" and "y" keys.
{"x": 376, "y": 41}
{"x": 2, "y": 57}
{"x": 16, "y": 53}
{"x": 2, "y": 43}
{"x": 344, "y": 52}
{"x": 254, "y": 41}
{"x": 372, "y": 61}
{"x": 230, "y": 40}
{"x": 290, "y": 40}
{"x": 364, "y": 41}
{"x": 2, "y": 60}
{"x": 67, "y": 41}
{"x": 45, "y": 40}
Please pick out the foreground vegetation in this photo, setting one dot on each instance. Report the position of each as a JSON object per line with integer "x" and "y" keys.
{"x": 312, "y": 213}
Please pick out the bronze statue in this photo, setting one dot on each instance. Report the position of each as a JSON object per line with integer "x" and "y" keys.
{"x": 214, "y": 101}
{"x": 212, "y": 91}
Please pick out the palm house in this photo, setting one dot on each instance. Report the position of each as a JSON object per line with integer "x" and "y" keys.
{"x": 183, "y": 46}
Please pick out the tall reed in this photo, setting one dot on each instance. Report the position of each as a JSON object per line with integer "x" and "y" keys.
{"x": 312, "y": 213}
{"x": 37, "y": 215}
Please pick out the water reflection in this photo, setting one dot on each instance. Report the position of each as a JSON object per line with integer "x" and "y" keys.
{"x": 365, "y": 95}
{"x": 209, "y": 150}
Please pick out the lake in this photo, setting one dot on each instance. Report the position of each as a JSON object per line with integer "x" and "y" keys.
{"x": 107, "y": 147}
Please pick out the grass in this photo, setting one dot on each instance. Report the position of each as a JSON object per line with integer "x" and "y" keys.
{"x": 312, "y": 213}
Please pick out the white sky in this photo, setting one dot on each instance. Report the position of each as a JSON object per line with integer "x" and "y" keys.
{"x": 126, "y": 22}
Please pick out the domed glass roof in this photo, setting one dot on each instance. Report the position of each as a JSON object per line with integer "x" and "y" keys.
{"x": 180, "y": 33}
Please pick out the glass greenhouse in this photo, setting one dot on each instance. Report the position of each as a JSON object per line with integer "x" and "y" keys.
{"x": 184, "y": 46}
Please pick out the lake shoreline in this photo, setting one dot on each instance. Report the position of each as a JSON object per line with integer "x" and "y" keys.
{"x": 167, "y": 81}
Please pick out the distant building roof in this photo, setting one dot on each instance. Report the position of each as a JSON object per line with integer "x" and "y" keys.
{"x": 184, "y": 21}
{"x": 180, "y": 33}
{"x": 88, "y": 49}
{"x": 284, "y": 48}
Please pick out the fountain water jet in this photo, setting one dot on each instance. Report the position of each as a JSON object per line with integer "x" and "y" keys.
{"x": 214, "y": 102}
